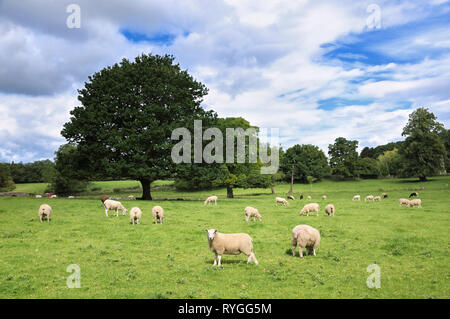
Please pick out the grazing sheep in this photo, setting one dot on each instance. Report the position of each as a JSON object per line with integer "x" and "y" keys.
{"x": 281, "y": 200}
{"x": 211, "y": 199}
{"x": 308, "y": 198}
{"x": 356, "y": 197}
{"x": 131, "y": 197}
{"x": 45, "y": 211}
{"x": 251, "y": 212}
{"x": 305, "y": 236}
{"x": 230, "y": 244}
{"x": 313, "y": 207}
{"x": 376, "y": 198}
{"x": 415, "y": 194}
{"x": 53, "y": 196}
{"x": 104, "y": 197}
{"x": 71, "y": 197}
{"x": 38, "y": 196}
{"x": 291, "y": 197}
{"x": 301, "y": 196}
{"x": 135, "y": 215}
{"x": 403, "y": 201}
{"x": 158, "y": 214}
{"x": 368, "y": 197}
{"x": 329, "y": 209}
{"x": 110, "y": 204}
{"x": 415, "y": 202}
{"x": 384, "y": 195}
{"x": 324, "y": 197}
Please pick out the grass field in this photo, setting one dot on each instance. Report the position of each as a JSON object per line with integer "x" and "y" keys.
{"x": 118, "y": 260}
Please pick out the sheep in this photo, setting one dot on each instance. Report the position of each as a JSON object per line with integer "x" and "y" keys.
{"x": 313, "y": 207}
{"x": 415, "y": 194}
{"x": 104, "y": 197}
{"x": 324, "y": 197}
{"x": 281, "y": 200}
{"x": 384, "y": 195}
{"x": 53, "y": 196}
{"x": 356, "y": 197}
{"x": 329, "y": 209}
{"x": 135, "y": 215}
{"x": 376, "y": 198}
{"x": 110, "y": 204}
{"x": 305, "y": 236}
{"x": 308, "y": 198}
{"x": 45, "y": 211}
{"x": 211, "y": 199}
{"x": 368, "y": 197}
{"x": 230, "y": 244}
{"x": 291, "y": 197}
{"x": 403, "y": 201}
{"x": 301, "y": 196}
{"x": 71, "y": 197}
{"x": 131, "y": 197}
{"x": 158, "y": 214}
{"x": 251, "y": 212}
{"x": 415, "y": 202}
{"x": 38, "y": 196}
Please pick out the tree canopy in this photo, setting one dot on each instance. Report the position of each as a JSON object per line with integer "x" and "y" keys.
{"x": 343, "y": 157}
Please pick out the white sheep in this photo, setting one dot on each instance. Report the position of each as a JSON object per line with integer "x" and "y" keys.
{"x": 251, "y": 212}
{"x": 131, "y": 197}
{"x": 45, "y": 211}
{"x": 415, "y": 202}
{"x": 211, "y": 199}
{"x": 230, "y": 244}
{"x": 71, "y": 197}
{"x": 329, "y": 209}
{"x": 38, "y": 196}
{"x": 324, "y": 197}
{"x": 305, "y": 236}
{"x": 403, "y": 201}
{"x": 377, "y": 198}
{"x": 54, "y": 196}
{"x": 309, "y": 197}
{"x": 291, "y": 197}
{"x": 158, "y": 214}
{"x": 281, "y": 200}
{"x": 313, "y": 207}
{"x": 110, "y": 204}
{"x": 368, "y": 198}
{"x": 356, "y": 197}
{"x": 135, "y": 215}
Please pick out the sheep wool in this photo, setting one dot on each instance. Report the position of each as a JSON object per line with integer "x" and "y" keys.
{"x": 403, "y": 201}
{"x": 313, "y": 207}
{"x": 158, "y": 214}
{"x": 329, "y": 209}
{"x": 135, "y": 215}
{"x": 368, "y": 198}
{"x": 44, "y": 211}
{"x": 281, "y": 200}
{"x": 415, "y": 202}
{"x": 324, "y": 197}
{"x": 211, "y": 199}
{"x": 305, "y": 236}
{"x": 251, "y": 212}
{"x": 356, "y": 197}
{"x": 110, "y": 204}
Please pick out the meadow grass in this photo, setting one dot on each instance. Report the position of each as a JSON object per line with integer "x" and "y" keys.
{"x": 172, "y": 260}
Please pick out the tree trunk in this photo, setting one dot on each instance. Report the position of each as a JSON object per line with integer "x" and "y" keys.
{"x": 146, "y": 195}
{"x": 292, "y": 180}
{"x": 230, "y": 192}
{"x": 273, "y": 190}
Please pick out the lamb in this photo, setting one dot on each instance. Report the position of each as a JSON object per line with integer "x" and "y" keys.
{"x": 324, "y": 197}
{"x": 308, "y": 198}
{"x": 384, "y": 195}
{"x": 415, "y": 202}
{"x": 158, "y": 214}
{"x": 131, "y": 197}
{"x": 291, "y": 197}
{"x": 110, "y": 204}
{"x": 211, "y": 199}
{"x": 135, "y": 215}
{"x": 281, "y": 200}
{"x": 313, "y": 207}
{"x": 45, "y": 211}
{"x": 230, "y": 244}
{"x": 329, "y": 209}
{"x": 368, "y": 197}
{"x": 104, "y": 197}
{"x": 415, "y": 194}
{"x": 305, "y": 236}
{"x": 251, "y": 212}
{"x": 356, "y": 197}
{"x": 376, "y": 198}
{"x": 403, "y": 201}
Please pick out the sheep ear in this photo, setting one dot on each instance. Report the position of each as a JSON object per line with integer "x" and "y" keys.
{"x": 206, "y": 230}
{"x": 215, "y": 231}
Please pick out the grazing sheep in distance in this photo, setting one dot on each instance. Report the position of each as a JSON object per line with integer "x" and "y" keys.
{"x": 281, "y": 200}
{"x": 158, "y": 214}
{"x": 71, "y": 197}
{"x": 104, "y": 197}
{"x": 131, "y": 197}
{"x": 110, "y": 204}
{"x": 305, "y": 236}
{"x": 415, "y": 202}
{"x": 308, "y": 198}
{"x": 230, "y": 244}
{"x": 53, "y": 196}
{"x": 313, "y": 207}
{"x": 356, "y": 197}
{"x": 403, "y": 201}
{"x": 44, "y": 211}
{"x": 135, "y": 215}
{"x": 324, "y": 197}
{"x": 38, "y": 196}
{"x": 368, "y": 197}
{"x": 211, "y": 199}
{"x": 415, "y": 194}
{"x": 329, "y": 209}
{"x": 291, "y": 197}
{"x": 301, "y": 196}
{"x": 250, "y": 212}
{"x": 376, "y": 198}
{"x": 384, "y": 195}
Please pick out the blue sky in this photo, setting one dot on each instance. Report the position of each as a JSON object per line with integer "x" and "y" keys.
{"x": 316, "y": 70}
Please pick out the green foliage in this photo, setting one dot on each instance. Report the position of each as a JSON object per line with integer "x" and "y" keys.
{"x": 36, "y": 172}
{"x": 367, "y": 168}
{"x": 308, "y": 160}
{"x": 376, "y": 152}
{"x": 445, "y": 137}
{"x": 343, "y": 157}
{"x": 6, "y": 182}
{"x": 390, "y": 163}
{"x": 423, "y": 151}
{"x": 123, "y": 128}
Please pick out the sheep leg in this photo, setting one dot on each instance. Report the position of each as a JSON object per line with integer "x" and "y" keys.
{"x": 293, "y": 250}
{"x": 40, "y": 218}
{"x": 300, "y": 251}
{"x": 220, "y": 259}
{"x": 254, "y": 258}
{"x": 314, "y": 251}
{"x": 48, "y": 218}
{"x": 106, "y": 212}
{"x": 215, "y": 259}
